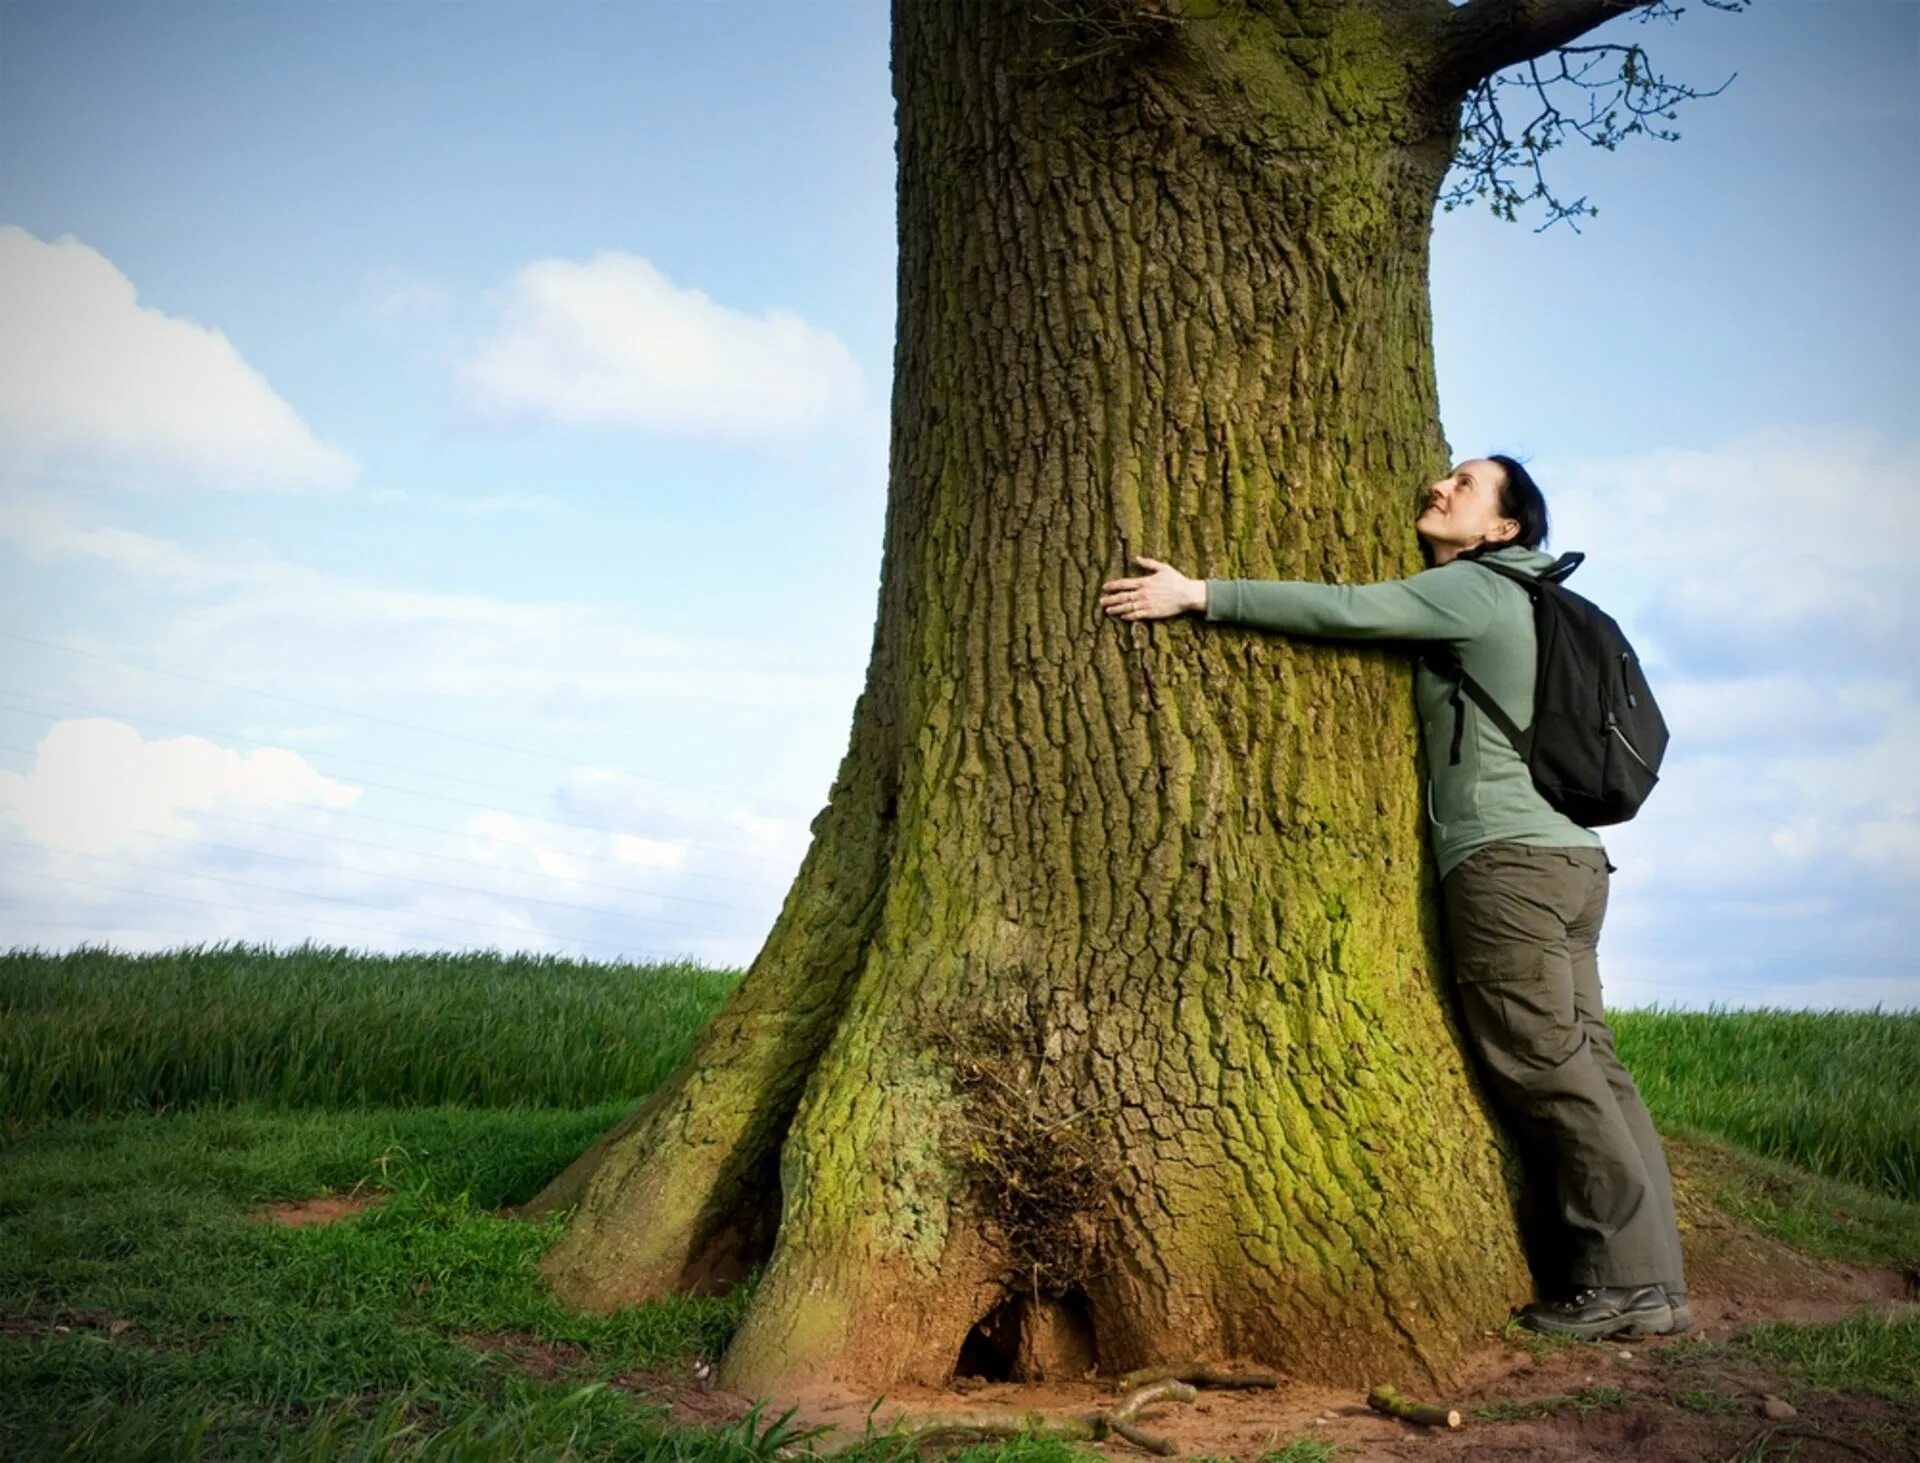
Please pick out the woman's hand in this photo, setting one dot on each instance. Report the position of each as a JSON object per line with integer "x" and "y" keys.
{"x": 1159, "y": 596}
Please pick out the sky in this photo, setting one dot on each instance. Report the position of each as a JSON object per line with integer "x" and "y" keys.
{"x": 375, "y": 570}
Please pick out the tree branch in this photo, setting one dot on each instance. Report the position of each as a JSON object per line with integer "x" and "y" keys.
{"x": 1486, "y": 149}
{"x": 1485, "y": 36}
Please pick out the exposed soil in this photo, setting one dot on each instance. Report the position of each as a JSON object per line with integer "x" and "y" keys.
{"x": 327, "y": 1209}
{"x": 1652, "y": 1398}
{"x": 1690, "y": 1406}
{"x": 1657, "y": 1398}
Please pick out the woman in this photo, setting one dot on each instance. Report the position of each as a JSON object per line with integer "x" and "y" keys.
{"x": 1524, "y": 887}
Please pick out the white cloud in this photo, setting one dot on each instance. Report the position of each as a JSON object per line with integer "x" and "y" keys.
{"x": 518, "y": 842}
{"x": 97, "y": 786}
{"x": 612, "y": 342}
{"x": 89, "y": 376}
{"x": 564, "y": 660}
{"x": 142, "y": 842}
{"x": 393, "y": 294}
{"x": 602, "y": 797}
{"x": 501, "y": 503}
{"x": 44, "y": 528}
{"x": 1780, "y": 710}
{"x": 1765, "y": 583}
{"x": 1785, "y": 549}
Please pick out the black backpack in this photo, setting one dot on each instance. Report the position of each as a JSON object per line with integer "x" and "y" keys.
{"x": 1596, "y": 740}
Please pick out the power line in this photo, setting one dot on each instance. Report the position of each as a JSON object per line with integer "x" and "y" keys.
{"x": 235, "y": 736}
{"x": 598, "y": 858}
{"x": 102, "y": 933}
{"x": 94, "y": 928}
{"x": 454, "y": 888}
{"x": 401, "y": 822}
{"x": 418, "y": 853}
{"x": 473, "y": 863}
{"x": 296, "y": 893}
{"x": 221, "y": 904}
{"x": 381, "y": 720}
{"x": 491, "y": 808}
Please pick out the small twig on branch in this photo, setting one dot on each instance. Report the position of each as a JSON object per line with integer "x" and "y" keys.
{"x": 1488, "y": 36}
{"x": 1386, "y": 1399}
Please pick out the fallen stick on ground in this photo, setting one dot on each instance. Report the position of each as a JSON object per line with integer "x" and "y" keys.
{"x": 1068, "y": 1427}
{"x": 1385, "y": 1399}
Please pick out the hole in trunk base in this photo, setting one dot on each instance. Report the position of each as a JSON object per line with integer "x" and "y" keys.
{"x": 1026, "y": 1340}
{"x": 992, "y": 1347}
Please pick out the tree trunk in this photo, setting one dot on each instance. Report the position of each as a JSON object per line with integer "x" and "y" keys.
{"x": 1105, "y": 1022}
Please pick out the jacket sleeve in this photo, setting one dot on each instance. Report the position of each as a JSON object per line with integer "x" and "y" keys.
{"x": 1450, "y": 602}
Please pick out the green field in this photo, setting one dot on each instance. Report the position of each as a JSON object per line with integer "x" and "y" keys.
{"x": 96, "y": 1033}
{"x": 153, "y": 1102}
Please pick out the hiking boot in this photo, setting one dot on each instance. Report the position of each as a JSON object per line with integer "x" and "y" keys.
{"x": 1597, "y": 1312}
{"x": 1682, "y": 1317}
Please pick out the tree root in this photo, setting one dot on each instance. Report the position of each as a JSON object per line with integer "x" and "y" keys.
{"x": 1386, "y": 1399}
{"x": 1082, "y": 1427}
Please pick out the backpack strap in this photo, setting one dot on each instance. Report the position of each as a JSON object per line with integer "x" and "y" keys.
{"x": 1554, "y": 573}
{"x": 1561, "y": 567}
{"x": 1444, "y": 661}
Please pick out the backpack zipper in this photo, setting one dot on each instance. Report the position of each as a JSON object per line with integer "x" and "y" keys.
{"x": 1624, "y": 742}
{"x": 1627, "y": 681}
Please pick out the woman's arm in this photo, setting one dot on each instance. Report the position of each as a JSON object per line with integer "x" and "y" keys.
{"x": 1450, "y": 603}
{"x": 1446, "y": 603}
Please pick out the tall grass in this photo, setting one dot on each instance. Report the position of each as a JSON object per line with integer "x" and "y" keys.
{"x": 1836, "y": 1092}
{"x": 97, "y": 1031}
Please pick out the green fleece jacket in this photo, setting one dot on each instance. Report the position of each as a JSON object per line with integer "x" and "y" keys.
{"x": 1489, "y": 797}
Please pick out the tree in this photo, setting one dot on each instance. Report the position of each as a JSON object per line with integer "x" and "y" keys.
{"x": 1105, "y": 1021}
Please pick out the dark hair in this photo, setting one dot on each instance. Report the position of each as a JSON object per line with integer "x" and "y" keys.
{"x": 1522, "y": 501}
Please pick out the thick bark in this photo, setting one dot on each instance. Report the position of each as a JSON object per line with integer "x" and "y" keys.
{"x": 1112, "y": 977}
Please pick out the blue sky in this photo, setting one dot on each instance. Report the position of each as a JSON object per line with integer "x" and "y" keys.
{"x": 360, "y": 581}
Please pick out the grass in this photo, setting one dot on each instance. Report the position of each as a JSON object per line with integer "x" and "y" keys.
{"x": 1536, "y": 1343}
{"x": 1708, "y": 1400}
{"x": 1877, "y": 1355}
{"x": 156, "y": 1101}
{"x": 143, "y": 1314}
{"x": 101, "y": 1032}
{"x": 1832, "y": 1092}
{"x": 264, "y": 1340}
{"x": 1863, "y": 1356}
{"x": 1825, "y": 1217}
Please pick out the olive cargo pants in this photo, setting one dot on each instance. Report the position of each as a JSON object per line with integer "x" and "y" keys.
{"x": 1524, "y": 926}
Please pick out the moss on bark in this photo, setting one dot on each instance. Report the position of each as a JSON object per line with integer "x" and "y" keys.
{"x": 1170, "y": 301}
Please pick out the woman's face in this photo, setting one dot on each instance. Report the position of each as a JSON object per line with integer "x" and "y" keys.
{"x": 1463, "y": 508}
